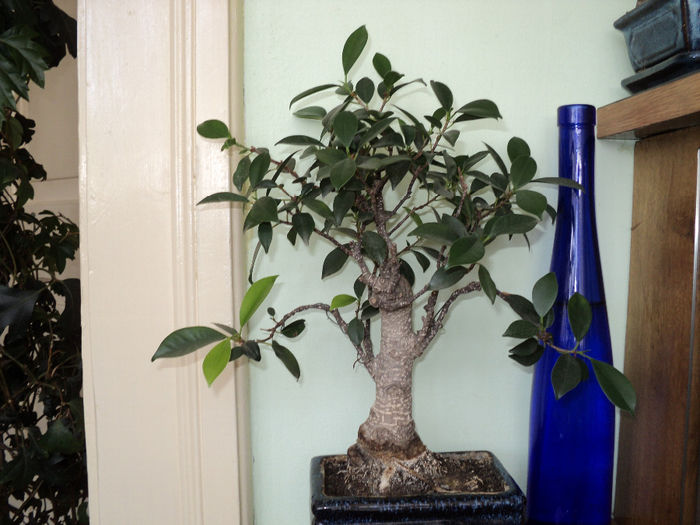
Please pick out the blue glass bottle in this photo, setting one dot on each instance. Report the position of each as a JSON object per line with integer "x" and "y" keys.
{"x": 571, "y": 439}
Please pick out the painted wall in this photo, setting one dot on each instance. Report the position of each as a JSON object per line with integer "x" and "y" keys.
{"x": 529, "y": 57}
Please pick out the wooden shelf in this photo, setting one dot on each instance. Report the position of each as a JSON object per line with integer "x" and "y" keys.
{"x": 669, "y": 107}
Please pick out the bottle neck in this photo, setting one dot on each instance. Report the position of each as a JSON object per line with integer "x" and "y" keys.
{"x": 575, "y": 258}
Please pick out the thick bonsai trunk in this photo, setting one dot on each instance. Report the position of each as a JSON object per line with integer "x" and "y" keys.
{"x": 389, "y": 456}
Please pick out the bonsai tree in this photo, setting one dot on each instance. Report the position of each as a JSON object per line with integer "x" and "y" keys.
{"x": 385, "y": 190}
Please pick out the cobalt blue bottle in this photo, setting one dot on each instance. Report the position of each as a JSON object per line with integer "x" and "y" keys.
{"x": 571, "y": 439}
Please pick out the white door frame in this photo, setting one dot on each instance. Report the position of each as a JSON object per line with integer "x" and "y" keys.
{"x": 162, "y": 447}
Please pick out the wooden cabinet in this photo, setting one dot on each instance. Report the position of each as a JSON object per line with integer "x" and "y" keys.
{"x": 659, "y": 448}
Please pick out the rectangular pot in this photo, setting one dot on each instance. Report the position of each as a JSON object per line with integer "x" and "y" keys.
{"x": 506, "y": 507}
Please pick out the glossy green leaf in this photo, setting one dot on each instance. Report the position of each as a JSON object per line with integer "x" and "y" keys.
{"x": 544, "y": 293}
{"x": 258, "y": 169}
{"x": 342, "y": 172}
{"x": 616, "y": 387}
{"x": 566, "y": 375}
{"x": 230, "y": 330}
{"x": 521, "y": 329}
{"x": 294, "y": 329}
{"x": 478, "y": 109}
{"x": 359, "y": 288}
{"x": 263, "y": 210}
{"x": 342, "y": 300}
{"x": 186, "y": 340}
{"x": 444, "y": 278}
{"x": 580, "y": 315}
{"x": 265, "y": 235}
{"x": 333, "y": 262}
{"x": 311, "y": 91}
{"x": 252, "y": 350}
{"x": 213, "y": 129}
{"x": 512, "y": 224}
{"x": 374, "y": 246}
{"x": 524, "y": 308}
{"x": 365, "y": 89}
{"x": 443, "y": 94}
{"x": 254, "y": 297}
{"x": 381, "y": 64}
{"x": 487, "y": 284}
{"x": 223, "y": 196}
{"x": 375, "y": 130}
{"x": 422, "y": 260}
{"x": 436, "y": 231}
{"x": 517, "y": 147}
{"x": 497, "y": 158}
{"x": 300, "y": 140}
{"x": 319, "y": 207}
{"x": 345, "y": 127}
{"x": 356, "y": 331}
{"x": 522, "y": 171}
{"x": 287, "y": 357}
{"x": 466, "y": 250}
{"x": 531, "y": 202}
{"x": 216, "y": 360}
{"x": 330, "y": 155}
{"x": 311, "y": 112}
{"x": 304, "y": 225}
{"x": 341, "y": 205}
{"x": 559, "y": 181}
{"x": 526, "y": 353}
{"x": 236, "y": 352}
{"x": 353, "y": 48}
{"x": 240, "y": 176}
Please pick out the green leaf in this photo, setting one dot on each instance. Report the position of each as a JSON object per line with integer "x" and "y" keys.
{"x": 356, "y": 331}
{"x": 526, "y": 353}
{"x": 311, "y": 112}
{"x": 228, "y": 329}
{"x": 375, "y": 130}
{"x": 304, "y": 225}
{"x": 216, "y": 360}
{"x": 580, "y": 315}
{"x": 288, "y": 360}
{"x": 521, "y": 329}
{"x": 466, "y": 250}
{"x": 265, "y": 235}
{"x": 359, "y": 288}
{"x": 616, "y": 387}
{"x": 436, "y": 231}
{"x": 381, "y": 64}
{"x": 252, "y": 350}
{"x": 342, "y": 172}
{"x": 59, "y": 439}
{"x": 240, "y": 176}
{"x": 511, "y": 224}
{"x": 300, "y": 140}
{"x": 186, "y": 340}
{"x": 531, "y": 202}
{"x": 559, "y": 181}
{"x": 353, "y": 48}
{"x": 444, "y": 278}
{"x": 319, "y": 207}
{"x": 16, "y": 306}
{"x": 345, "y": 127}
{"x": 487, "y": 284}
{"x": 524, "y": 308}
{"x": 422, "y": 260}
{"x": 254, "y": 297}
{"x": 374, "y": 246}
{"x": 342, "y": 300}
{"x": 478, "y": 109}
{"x": 365, "y": 89}
{"x": 544, "y": 293}
{"x": 330, "y": 156}
{"x": 443, "y": 94}
{"x": 517, "y": 147}
{"x": 341, "y": 205}
{"x": 522, "y": 171}
{"x": 258, "y": 169}
{"x": 311, "y": 91}
{"x": 263, "y": 210}
{"x": 223, "y": 196}
{"x": 566, "y": 375}
{"x": 333, "y": 262}
{"x": 213, "y": 129}
{"x": 499, "y": 161}
{"x": 294, "y": 328}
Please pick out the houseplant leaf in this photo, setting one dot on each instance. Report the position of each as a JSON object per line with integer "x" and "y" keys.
{"x": 353, "y": 48}
{"x": 186, "y": 340}
{"x": 254, "y": 297}
{"x": 216, "y": 360}
{"x": 288, "y": 360}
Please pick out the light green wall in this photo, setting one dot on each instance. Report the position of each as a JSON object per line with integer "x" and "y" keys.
{"x": 528, "y": 56}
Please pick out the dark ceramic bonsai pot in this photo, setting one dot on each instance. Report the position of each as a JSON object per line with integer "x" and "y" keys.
{"x": 663, "y": 41}
{"x": 504, "y": 507}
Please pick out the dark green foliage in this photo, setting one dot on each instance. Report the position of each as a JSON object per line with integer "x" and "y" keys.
{"x": 43, "y": 477}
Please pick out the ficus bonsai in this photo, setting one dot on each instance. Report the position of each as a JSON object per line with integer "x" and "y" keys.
{"x": 385, "y": 189}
